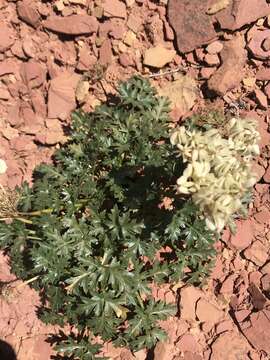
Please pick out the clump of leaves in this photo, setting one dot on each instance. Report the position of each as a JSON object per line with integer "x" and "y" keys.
{"x": 93, "y": 223}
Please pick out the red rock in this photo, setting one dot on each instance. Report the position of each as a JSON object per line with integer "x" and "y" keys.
{"x": 4, "y": 94}
{"x": 105, "y": 53}
{"x": 17, "y": 50}
{"x": 263, "y": 74}
{"x": 232, "y": 344}
{"x": 265, "y": 281}
{"x": 86, "y": 59}
{"x": 226, "y": 325}
{"x": 244, "y": 235}
{"x": 228, "y": 285}
{"x": 61, "y": 95}
{"x": 266, "y": 176}
{"x": 126, "y": 60}
{"x": 72, "y": 25}
{"x": 28, "y": 13}
{"x": 267, "y": 91}
{"x": 263, "y": 216}
{"x": 200, "y": 54}
{"x": 242, "y": 12}
{"x": 255, "y": 277}
{"x": 266, "y": 269}
{"x": 230, "y": 73}
{"x": 207, "y": 312}
{"x": 169, "y": 34}
{"x": 261, "y": 98}
{"x": 255, "y": 43}
{"x": 8, "y": 66}
{"x": 29, "y": 47}
{"x": 258, "y": 333}
{"x": 215, "y": 47}
{"x": 114, "y": 8}
{"x": 7, "y": 36}
{"x": 207, "y": 72}
{"x": 38, "y": 103}
{"x": 134, "y": 22}
{"x": 188, "y": 343}
{"x": 259, "y": 170}
{"x": 118, "y": 29}
{"x": 189, "y": 297}
{"x": 193, "y": 27}
{"x": 211, "y": 59}
{"x": 257, "y": 253}
{"x": 241, "y": 315}
{"x": 257, "y": 298}
{"x": 33, "y": 74}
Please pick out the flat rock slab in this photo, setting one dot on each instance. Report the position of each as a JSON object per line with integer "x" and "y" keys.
{"x": 229, "y": 346}
{"x": 258, "y": 333}
{"x": 192, "y": 26}
{"x": 61, "y": 96}
{"x": 72, "y": 25}
{"x": 230, "y": 73}
{"x": 242, "y": 12}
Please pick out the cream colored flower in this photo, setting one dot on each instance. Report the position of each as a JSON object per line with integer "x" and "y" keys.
{"x": 218, "y": 173}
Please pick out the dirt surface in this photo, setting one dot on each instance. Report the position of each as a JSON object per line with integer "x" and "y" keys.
{"x": 58, "y": 55}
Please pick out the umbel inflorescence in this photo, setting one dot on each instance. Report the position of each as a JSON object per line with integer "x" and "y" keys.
{"x": 218, "y": 172}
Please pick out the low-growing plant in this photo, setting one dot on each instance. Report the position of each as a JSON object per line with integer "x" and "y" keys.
{"x": 93, "y": 229}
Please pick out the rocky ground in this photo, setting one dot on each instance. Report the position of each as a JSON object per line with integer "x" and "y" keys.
{"x": 58, "y": 55}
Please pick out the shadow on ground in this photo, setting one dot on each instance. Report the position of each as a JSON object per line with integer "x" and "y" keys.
{"x": 6, "y": 351}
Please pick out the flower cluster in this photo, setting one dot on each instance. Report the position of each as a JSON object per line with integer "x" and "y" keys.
{"x": 218, "y": 172}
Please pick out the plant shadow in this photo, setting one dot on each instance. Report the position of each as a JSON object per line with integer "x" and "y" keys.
{"x": 6, "y": 351}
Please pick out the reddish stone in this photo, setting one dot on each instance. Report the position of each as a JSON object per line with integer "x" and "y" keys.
{"x": 211, "y": 59}
{"x": 105, "y": 53}
{"x": 263, "y": 74}
{"x": 134, "y": 22}
{"x": 226, "y": 325}
{"x": 86, "y": 59}
{"x": 72, "y": 25}
{"x": 118, "y": 29}
{"x": 207, "y": 312}
{"x": 258, "y": 333}
{"x": 261, "y": 98}
{"x": 126, "y": 60}
{"x": 265, "y": 281}
{"x": 230, "y": 343}
{"x": 215, "y": 47}
{"x": 257, "y": 298}
{"x": 28, "y": 13}
{"x": 259, "y": 170}
{"x": 228, "y": 285}
{"x": 244, "y": 235}
{"x": 255, "y": 277}
{"x": 114, "y": 8}
{"x": 188, "y": 343}
{"x": 207, "y": 72}
{"x": 241, "y": 315}
{"x": 263, "y": 216}
{"x": 33, "y": 74}
{"x": 192, "y": 26}
{"x": 230, "y": 73}
{"x": 61, "y": 96}
{"x": 7, "y": 37}
{"x": 266, "y": 176}
{"x": 257, "y": 253}
{"x": 8, "y": 66}
{"x": 242, "y": 12}
{"x": 257, "y": 38}
{"x": 189, "y": 297}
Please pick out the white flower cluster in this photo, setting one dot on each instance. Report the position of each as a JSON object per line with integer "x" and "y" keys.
{"x": 218, "y": 172}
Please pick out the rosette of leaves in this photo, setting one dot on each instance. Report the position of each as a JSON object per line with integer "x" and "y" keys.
{"x": 90, "y": 227}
